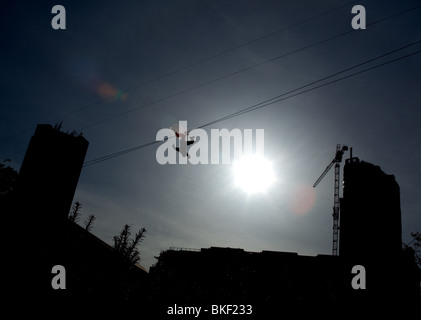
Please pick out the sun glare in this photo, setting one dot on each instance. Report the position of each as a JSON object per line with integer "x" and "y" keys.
{"x": 253, "y": 174}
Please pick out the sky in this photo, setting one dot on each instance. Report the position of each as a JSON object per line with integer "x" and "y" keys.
{"x": 122, "y": 71}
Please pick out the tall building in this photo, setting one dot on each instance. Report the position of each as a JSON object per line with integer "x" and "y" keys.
{"x": 50, "y": 172}
{"x": 40, "y": 235}
{"x": 371, "y": 232}
{"x": 370, "y": 219}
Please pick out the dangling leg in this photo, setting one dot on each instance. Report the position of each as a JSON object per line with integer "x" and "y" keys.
{"x": 189, "y": 142}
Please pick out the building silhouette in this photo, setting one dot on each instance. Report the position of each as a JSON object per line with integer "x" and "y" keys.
{"x": 50, "y": 172}
{"x": 270, "y": 281}
{"x": 370, "y": 212}
{"x": 371, "y": 233}
{"x": 40, "y": 235}
{"x": 370, "y": 236}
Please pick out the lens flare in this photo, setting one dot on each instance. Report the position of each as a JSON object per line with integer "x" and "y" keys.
{"x": 303, "y": 199}
{"x": 108, "y": 91}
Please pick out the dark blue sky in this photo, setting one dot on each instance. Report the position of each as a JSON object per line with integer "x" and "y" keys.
{"x": 123, "y": 70}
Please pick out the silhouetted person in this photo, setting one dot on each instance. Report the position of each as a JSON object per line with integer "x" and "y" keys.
{"x": 183, "y": 145}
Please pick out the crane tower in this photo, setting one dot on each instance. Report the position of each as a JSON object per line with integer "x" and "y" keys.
{"x": 337, "y": 163}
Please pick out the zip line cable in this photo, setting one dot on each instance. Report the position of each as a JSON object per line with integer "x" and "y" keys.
{"x": 261, "y": 105}
{"x": 302, "y": 87}
{"x": 268, "y": 102}
{"x": 244, "y": 69}
{"x": 189, "y": 66}
{"x": 256, "y": 106}
{"x": 227, "y": 75}
{"x": 214, "y": 56}
{"x": 221, "y": 77}
{"x": 205, "y": 83}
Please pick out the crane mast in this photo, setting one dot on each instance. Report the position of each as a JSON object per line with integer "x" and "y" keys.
{"x": 337, "y": 163}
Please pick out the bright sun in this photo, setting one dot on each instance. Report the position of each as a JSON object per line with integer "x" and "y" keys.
{"x": 253, "y": 174}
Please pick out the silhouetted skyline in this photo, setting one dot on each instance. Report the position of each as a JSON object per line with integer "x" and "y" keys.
{"x": 103, "y": 76}
{"x": 84, "y": 268}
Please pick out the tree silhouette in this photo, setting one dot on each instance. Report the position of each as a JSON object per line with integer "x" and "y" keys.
{"x": 76, "y": 211}
{"x": 415, "y": 247}
{"x": 8, "y": 182}
{"x": 89, "y": 222}
{"x": 128, "y": 247}
{"x": 8, "y": 179}
{"x": 411, "y": 251}
{"x": 74, "y": 216}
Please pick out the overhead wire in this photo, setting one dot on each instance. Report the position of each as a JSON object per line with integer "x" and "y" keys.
{"x": 278, "y": 98}
{"x": 275, "y": 99}
{"x": 183, "y": 68}
{"x": 251, "y": 67}
{"x": 261, "y": 105}
{"x": 205, "y": 83}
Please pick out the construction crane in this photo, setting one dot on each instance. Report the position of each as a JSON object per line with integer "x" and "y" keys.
{"x": 337, "y": 163}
